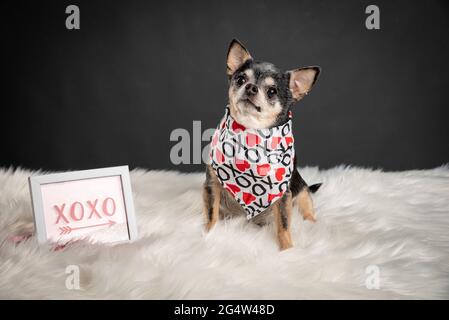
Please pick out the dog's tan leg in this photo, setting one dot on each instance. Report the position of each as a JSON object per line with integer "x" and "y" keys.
{"x": 282, "y": 210}
{"x": 305, "y": 205}
{"x": 211, "y": 200}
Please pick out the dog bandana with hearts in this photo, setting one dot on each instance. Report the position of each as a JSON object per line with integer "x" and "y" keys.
{"x": 254, "y": 165}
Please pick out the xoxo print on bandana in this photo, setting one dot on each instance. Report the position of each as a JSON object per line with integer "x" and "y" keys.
{"x": 254, "y": 165}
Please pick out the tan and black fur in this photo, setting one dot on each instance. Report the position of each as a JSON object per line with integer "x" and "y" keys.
{"x": 261, "y": 96}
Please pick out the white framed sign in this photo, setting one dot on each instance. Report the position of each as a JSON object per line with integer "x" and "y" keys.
{"x": 95, "y": 205}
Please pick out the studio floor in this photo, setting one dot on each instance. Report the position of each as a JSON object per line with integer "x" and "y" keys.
{"x": 378, "y": 235}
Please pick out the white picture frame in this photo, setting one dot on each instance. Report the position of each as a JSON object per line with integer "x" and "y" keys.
{"x": 61, "y": 183}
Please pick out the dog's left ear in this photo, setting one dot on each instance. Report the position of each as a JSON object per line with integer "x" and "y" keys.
{"x": 237, "y": 56}
{"x": 302, "y": 81}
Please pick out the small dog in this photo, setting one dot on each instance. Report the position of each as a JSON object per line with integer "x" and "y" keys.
{"x": 260, "y": 101}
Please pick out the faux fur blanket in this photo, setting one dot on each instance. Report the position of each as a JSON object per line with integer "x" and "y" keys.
{"x": 378, "y": 235}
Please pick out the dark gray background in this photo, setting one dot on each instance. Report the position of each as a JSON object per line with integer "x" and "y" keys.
{"x": 112, "y": 92}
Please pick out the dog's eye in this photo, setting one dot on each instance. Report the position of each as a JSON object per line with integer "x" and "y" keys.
{"x": 271, "y": 92}
{"x": 240, "y": 80}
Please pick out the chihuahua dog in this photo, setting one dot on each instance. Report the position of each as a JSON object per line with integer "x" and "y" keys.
{"x": 260, "y": 100}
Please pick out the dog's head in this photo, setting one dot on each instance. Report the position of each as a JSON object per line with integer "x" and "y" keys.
{"x": 261, "y": 95}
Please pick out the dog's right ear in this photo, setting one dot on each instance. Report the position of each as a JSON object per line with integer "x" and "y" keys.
{"x": 237, "y": 56}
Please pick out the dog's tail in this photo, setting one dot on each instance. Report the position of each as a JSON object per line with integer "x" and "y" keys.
{"x": 314, "y": 187}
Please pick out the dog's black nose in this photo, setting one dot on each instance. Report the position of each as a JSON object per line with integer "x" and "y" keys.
{"x": 251, "y": 89}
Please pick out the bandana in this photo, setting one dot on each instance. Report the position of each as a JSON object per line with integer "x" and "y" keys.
{"x": 254, "y": 165}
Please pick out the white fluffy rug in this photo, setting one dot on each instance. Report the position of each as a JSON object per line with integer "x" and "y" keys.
{"x": 394, "y": 225}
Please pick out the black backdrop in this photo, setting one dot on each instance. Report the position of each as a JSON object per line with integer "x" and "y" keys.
{"x": 112, "y": 92}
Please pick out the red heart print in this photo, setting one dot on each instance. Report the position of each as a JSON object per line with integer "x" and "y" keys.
{"x": 252, "y": 139}
{"x": 242, "y": 165}
{"x": 232, "y": 188}
{"x": 263, "y": 169}
{"x": 236, "y": 127}
{"x": 275, "y": 142}
{"x": 214, "y": 140}
{"x": 248, "y": 198}
{"x": 280, "y": 172}
{"x": 219, "y": 156}
{"x": 271, "y": 196}
{"x": 288, "y": 140}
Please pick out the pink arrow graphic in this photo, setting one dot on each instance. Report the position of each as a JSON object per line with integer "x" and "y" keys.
{"x": 68, "y": 229}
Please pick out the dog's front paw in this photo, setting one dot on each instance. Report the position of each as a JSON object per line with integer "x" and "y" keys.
{"x": 286, "y": 246}
{"x": 309, "y": 216}
{"x": 285, "y": 240}
{"x": 209, "y": 226}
